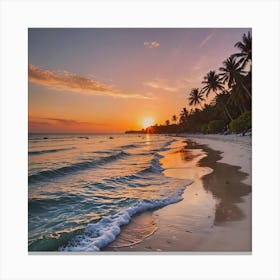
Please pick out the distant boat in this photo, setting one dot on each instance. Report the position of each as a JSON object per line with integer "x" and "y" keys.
{"x": 83, "y": 137}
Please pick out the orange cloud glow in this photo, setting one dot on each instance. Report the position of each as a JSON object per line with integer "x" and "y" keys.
{"x": 42, "y": 124}
{"x": 64, "y": 80}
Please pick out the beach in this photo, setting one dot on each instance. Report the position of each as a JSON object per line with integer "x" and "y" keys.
{"x": 215, "y": 212}
{"x": 136, "y": 179}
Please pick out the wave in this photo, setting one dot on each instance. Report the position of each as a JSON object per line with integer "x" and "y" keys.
{"x": 141, "y": 177}
{"x": 165, "y": 146}
{"x": 41, "y": 204}
{"x": 155, "y": 166}
{"x": 62, "y": 171}
{"x": 49, "y": 151}
{"x": 98, "y": 235}
{"x": 116, "y": 211}
{"x": 129, "y": 146}
{"x": 38, "y": 204}
{"x": 52, "y": 243}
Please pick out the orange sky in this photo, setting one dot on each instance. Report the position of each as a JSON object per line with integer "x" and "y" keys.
{"x": 109, "y": 80}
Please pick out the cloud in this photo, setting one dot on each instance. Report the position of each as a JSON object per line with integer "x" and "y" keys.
{"x": 152, "y": 44}
{"x": 64, "y": 80}
{"x": 67, "y": 121}
{"x": 165, "y": 85}
{"x": 205, "y": 40}
{"x": 35, "y": 122}
{"x": 71, "y": 122}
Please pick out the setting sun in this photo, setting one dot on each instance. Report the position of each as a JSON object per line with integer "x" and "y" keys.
{"x": 148, "y": 121}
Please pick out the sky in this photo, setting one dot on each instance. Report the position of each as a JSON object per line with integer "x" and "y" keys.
{"x": 109, "y": 80}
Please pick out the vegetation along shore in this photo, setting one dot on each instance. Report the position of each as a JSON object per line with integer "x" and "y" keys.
{"x": 223, "y": 102}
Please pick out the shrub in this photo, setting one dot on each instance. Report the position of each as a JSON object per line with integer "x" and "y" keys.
{"x": 242, "y": 124}
{"x": 216, "y": 126}
{"x": 204, "y": 128}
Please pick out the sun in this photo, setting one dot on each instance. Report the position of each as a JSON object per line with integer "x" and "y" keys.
{"x": 148, "y": 121}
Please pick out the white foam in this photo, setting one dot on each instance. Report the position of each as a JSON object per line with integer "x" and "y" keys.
{"x": 100, "y": 234}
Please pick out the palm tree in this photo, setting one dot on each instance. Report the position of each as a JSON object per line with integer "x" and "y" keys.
{"x": 183, "y": 116}
{"x": 195, "y": 97}
{"x": 245, "y": 47}
{"x": 232, "y": 73}
{"x": 213, "y": 82}
{"x": 208, "y": 113}
{"x": 174, "y": 118}
{"x": 220, "y": 102}
{"x": 185, "y": 112}
{"x": 167, "y": 122}
{"x": 237, "y": 98}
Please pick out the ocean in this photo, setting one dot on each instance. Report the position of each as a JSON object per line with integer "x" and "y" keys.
{"x": 83, "y": 188}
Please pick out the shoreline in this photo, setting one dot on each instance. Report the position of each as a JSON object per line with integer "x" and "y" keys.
{"x": 215, "y": 213}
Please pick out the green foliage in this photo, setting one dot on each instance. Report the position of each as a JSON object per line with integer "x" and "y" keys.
{"x": 216, "y": 126}
{"x": 242, "y": 123}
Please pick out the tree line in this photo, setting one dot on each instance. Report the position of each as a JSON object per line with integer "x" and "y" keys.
{"x": 230, "y": 109}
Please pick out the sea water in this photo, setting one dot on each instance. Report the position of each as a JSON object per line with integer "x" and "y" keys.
{"x": 83, "y": 188}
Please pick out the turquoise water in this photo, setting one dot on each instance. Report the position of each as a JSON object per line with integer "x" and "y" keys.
{"x": 83, "y": 188}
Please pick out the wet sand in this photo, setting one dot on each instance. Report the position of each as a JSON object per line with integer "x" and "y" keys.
{"x": 214, "y": 215}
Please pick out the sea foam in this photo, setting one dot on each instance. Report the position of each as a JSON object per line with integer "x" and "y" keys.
{"x": 100, "y": 234}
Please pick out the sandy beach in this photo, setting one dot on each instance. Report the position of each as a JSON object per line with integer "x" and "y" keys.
{"x": 215, "y": 213}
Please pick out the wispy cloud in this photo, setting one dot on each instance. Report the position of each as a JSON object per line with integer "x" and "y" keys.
{"x": 36, "y": 123}
{"x": 152, "y": 44}
{"x": 205, "y": 40}
{"x": 72, "y": 122}
{"x": 165, "y": 85}
{"x": 41, "y": 121}
{"x": 64, "y": 80}
{"x": 67, "y": 121}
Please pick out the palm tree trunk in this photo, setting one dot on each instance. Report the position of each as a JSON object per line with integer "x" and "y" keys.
{"x": 246, "y": 90}
{"x": 227, "y": 112}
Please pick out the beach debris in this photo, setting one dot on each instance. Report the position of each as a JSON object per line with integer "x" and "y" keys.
{"x": 111, "y": 137}
{"x": 45, "y": 138}
{"x": 189, "y": 231}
